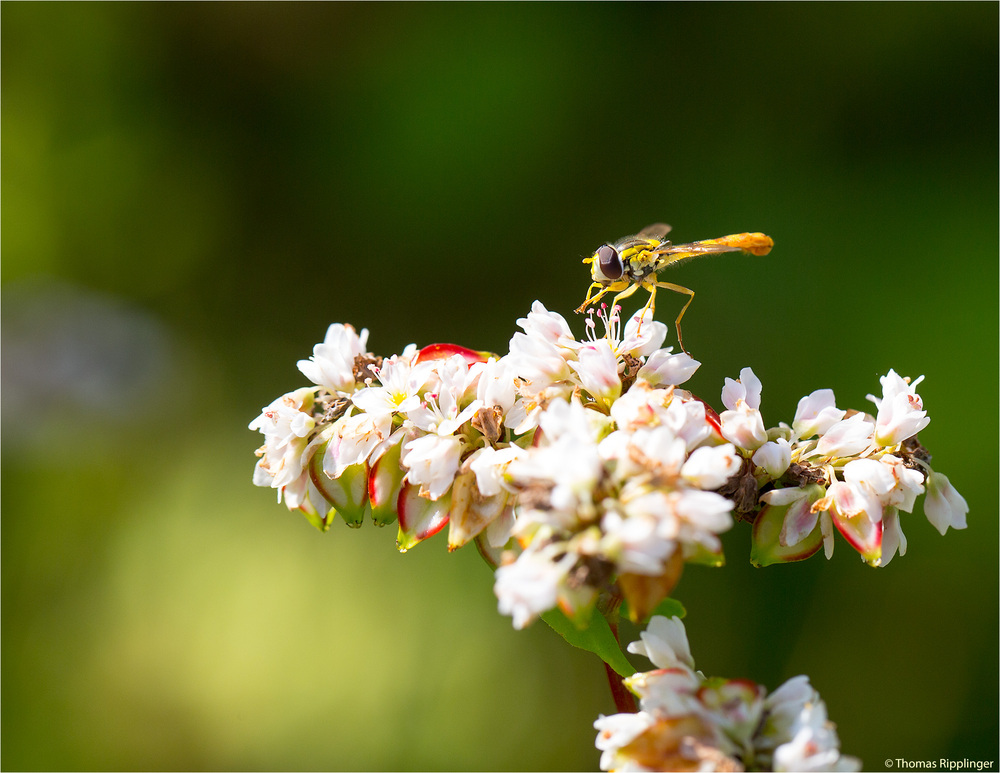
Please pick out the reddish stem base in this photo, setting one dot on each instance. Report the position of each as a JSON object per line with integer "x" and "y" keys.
{"x": 624, "y": 700}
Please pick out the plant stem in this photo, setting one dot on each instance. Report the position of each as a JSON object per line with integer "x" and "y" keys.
{"x": 624, "y": 700}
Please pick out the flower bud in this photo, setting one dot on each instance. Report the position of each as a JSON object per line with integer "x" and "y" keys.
{"x": 385, "y": 480}
{"x": 348, "y": 492}
{"x": 471, "y": 512}
{"x": 419, "y": 517}
{"x": 774, "y": 457}
{"x": 445, "y": 351}
{"x": 787, "y": 529}
{"x": 857, "y": 514}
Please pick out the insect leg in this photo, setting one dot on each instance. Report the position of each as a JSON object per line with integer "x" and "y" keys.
{"x": 590, "y": 300}
{"x": 683, "y": 291}
{"x": 628, "y": 291}
{"x": 624, "y": 294}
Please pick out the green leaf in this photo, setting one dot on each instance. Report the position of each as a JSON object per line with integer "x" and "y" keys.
{"x": 596, "y": 637}
{"x": 668, "y": 608}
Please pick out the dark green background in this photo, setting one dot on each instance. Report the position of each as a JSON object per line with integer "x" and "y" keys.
{"x": 192, "y": 193}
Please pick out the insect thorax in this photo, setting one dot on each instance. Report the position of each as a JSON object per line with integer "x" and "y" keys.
{"x": 639, "y": 264}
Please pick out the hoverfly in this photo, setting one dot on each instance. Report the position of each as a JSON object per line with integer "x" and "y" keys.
{"x": 634, "y": 261}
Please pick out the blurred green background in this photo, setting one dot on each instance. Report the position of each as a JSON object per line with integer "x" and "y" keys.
{"x": 192, "y": 193}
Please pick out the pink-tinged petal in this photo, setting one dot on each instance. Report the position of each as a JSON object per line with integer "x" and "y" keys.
{"x": 347, "y": 493}
{"x": 766, "y": 548}
{"x": 800, "y": 521}
{"x": 444, "y": 351}
{"x": 419, "y": 517}
{"x": 864, "y": 534}
{"x": 385, "y": 479}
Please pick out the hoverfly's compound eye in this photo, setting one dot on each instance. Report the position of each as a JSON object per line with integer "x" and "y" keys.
{"x": 610, "y": 262}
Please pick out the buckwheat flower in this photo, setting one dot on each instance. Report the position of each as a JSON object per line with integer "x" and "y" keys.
{"x": 567, "y": 460}
{"x": 642, "y": 337}
{"x": 332, "y": 363}
{"x": 490, "y": 467}
{"x": 796, "y": 734}
{"x": 641, "y": 406}
{"x": 857, "y": 513}
{"x": 529, "y": 586}
{"x": 531, "y": 403}
{"x": 735, "y": 708}
{"x": 944, "y": 506}
{"x": 908, "y": 483}
{"x": 815, "y": 746}
{"x": 286, "y": 425}
{"x": 635, "y": 542}
{"x": 355, "y": 437}
{"x": 743, "y": 426}
{"x": 815, "y": 414}
{"x": 597, "y": 369}
{"x": 663, "y": 368}
{"x": 702, "y": 516}
{"x": 688, "y": 420}
{"x": 496, "y": 385}
{"x": 454, "y": 383}
{"x": 668, "y": 692}
{"x": 618, "y": 731}
{"x": 847, "y": 437}
{"x": 709, "y": 467}
{"x": 442, "y": 412}
{"x": 784, "y": 706}
{"x": 856, "y": 499}
{"x": 871, "y": 473}
{"x": 542, "y": 352}
{"x": 542, "y": 324}
{"x": 745, "y": 390}
{"x": 774, "y": 457}
{"x": 432, "y": 462}
{"x": 657, "y": 449}
{"x": 399, "y": 385}
{"x": 665, "y": 643}
{"x": 900, "y": 410}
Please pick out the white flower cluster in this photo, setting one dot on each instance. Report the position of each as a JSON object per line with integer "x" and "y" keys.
{"x": 610, "y": 467}
{"x": 401, "y": 436}
{"x": 689, "y": 722}
{"x": 580, "y": 468}
{"x": 627, "y": 494}
{"x": 836, "y": 468}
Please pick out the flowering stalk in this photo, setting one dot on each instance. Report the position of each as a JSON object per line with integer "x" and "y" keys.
{"x": 588, "y": 477}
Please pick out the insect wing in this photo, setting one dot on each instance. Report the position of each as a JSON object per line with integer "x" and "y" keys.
{"x": 756, "y": 244}
{"x": 678, "y": 253}
{"x": 651, "y": 233}
{"x": 654, "y": 231}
